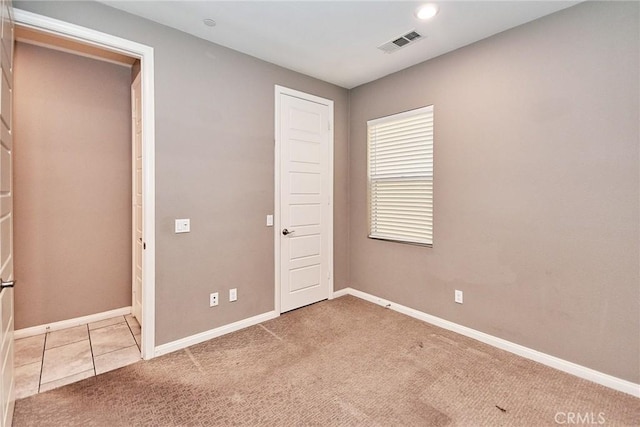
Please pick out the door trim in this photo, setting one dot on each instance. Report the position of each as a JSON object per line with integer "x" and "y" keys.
{"x": 145, "y": 54}
{"x": 136, "y": 90}
{"x": 281, "y": 90}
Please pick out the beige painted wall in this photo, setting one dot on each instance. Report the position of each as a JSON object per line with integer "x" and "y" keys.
{"x": 536, "y": 187}
{"x": 214, "y": 164}
{"x": 72, "y": 186}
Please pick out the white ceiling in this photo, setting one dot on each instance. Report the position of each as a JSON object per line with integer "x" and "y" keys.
{"x": 337, "y": 41}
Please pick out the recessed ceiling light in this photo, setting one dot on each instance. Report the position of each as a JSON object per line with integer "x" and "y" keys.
{"x": 209, "y": 22}
{"x": 427, "y": 11}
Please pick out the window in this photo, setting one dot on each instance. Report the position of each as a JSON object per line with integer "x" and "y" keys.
{"x": 400, "y": 150}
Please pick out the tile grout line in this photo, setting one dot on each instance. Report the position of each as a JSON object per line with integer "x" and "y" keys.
{"x": 62, "y": 345}
{"x": 132, "y": 334}
{"x": 106, "y": 326}
{"x": 93, "y": 357}
{"x": 117, "y": 349}
{"x": 44, "y": 349}
{"x": 97, "y": 329}
{"x": 126, "y": 322}
{"x": 93, "y": 362}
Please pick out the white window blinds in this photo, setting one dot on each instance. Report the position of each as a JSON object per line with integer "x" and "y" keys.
{"x": 400, "y": 150}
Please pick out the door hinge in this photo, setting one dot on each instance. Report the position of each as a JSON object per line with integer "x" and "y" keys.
{"x": 144, "y": 246}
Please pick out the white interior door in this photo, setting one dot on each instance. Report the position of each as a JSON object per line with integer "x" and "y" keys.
{"x": 7, "y": 390}
{"x": 138, "y": 244}
{"x": 304, "y": 140}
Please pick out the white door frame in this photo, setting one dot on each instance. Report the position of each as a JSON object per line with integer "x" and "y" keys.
{"x": 145, "y": 54}
{"x": 136, "y": 120}
{"x": 281, "y": 90}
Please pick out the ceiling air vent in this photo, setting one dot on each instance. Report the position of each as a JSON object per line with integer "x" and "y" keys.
{"x": 400, "y": 42}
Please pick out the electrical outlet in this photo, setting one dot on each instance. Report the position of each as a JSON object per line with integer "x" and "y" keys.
{"x": 458, "y": 296}
{"x": 233, "y": 294}
{"x": 213, "y": 299}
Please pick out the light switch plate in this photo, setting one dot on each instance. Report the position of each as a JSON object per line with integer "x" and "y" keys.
{"x": 269, "y": 220}
{"x": 183, "y": 225}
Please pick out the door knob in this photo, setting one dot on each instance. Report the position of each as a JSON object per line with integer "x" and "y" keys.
{"x": 9, "y": 284}
{"x": 285, "y": 231}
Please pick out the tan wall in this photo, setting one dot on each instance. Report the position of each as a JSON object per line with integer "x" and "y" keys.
{"x": 214, "y": 164}
{"x": 536, "y": 187}
{"x": 72, "y": 184}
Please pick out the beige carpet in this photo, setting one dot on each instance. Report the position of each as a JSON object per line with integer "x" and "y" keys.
{"x": 340, "y": 362}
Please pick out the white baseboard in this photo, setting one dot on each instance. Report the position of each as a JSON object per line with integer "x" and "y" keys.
{"x": 213, "y": 333}
{"x": 343, "y": 292}
{"x": 70, "y": 323}
{"x": 528, "y": 353}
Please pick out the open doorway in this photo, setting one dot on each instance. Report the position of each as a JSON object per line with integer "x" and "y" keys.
{"x": 73, "y": 227}
{"x": 73, "y": 175}
{"x": 94, "y": 42}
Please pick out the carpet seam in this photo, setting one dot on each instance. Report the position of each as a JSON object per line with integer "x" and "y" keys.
{"x": 272, "y": 333}
{"x": 193, "y": 359}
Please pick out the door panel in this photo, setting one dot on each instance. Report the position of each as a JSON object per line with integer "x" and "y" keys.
{"x": 305, "y": 277}
{"x": 304, "y": 201}
{"x": 303, "y": 247}
{"x": 7, "y": 384}
{"x": 305, "y": 152}
{"x": 5, "y": 245}
{"x": 305, "y": 214}
{"x": 5, "y": 169}
{"x": 5, "y": 102}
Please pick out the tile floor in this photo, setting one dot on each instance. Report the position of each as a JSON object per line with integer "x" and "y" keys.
{"x": 51, "y": 360}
